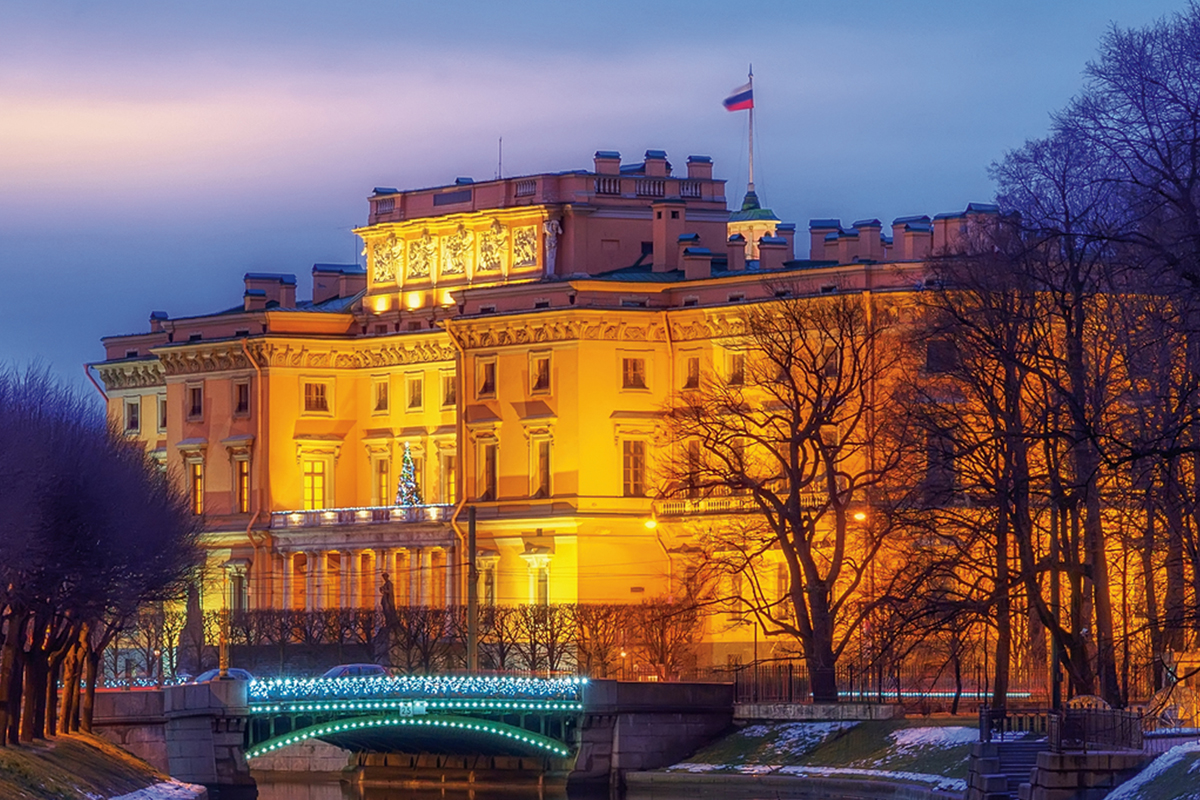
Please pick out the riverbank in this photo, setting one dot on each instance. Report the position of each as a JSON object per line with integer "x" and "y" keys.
{"x": 83, "y": 767}
{"x": 916, "y": 759}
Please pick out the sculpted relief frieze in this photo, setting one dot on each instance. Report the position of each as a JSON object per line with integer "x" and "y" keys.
{"x": 526, "y": 332}
{"x": 525, "y": 247}
{"x": 493, "y": 246}
{"x": 422, "y": 253}
{"x": 132, "y": 376}
{"x": 457, "y": 251}
{"x": 713, "y": 326}
{"x": 384, "y": 355}
{"x": 387, "y": 256}
{"x": 183, "y": 362}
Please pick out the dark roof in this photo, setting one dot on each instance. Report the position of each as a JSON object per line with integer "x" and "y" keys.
{"x": 817, "y": 224}
{"x": 607, "y": 154}
{"x": 867, "y": 223}
{"x": 340, "y": 269}
{"x": 287, "y": 279}
{"x": 904, "y": 220}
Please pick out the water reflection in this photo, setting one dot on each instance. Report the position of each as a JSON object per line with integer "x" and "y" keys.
{"x": 335, "y": 790}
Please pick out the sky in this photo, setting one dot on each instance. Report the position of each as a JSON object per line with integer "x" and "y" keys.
{"x": 152, "y": 152}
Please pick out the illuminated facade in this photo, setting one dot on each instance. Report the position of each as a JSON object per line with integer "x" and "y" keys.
{"x": 518, "y": 338}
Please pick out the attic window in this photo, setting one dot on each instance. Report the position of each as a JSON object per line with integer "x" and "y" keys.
{"x": 195, "y": 337}
{"x": 783, "y": 292}
{"x": 630, "y": 302}
{"x": 243, "y": 332}
{"x": 691, "y": 301}
{"x": 829, "y": 288}
{"x": 487, "y": 309}
{"x": 541, "y": 303}
{"x": 737, "y": 297}
{"x": 131, "y": 353}
{"x": 414, "y": 326}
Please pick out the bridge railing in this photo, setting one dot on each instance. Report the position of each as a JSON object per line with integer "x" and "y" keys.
{"x": 417, "y": 686}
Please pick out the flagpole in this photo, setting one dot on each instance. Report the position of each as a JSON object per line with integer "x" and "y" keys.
{"x": 751, "y": 186}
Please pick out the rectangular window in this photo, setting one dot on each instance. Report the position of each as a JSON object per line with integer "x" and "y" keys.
{"x": 541, "y": 468}
{"x": 197, "y": 481}
{"x": 539, "y": 373}
{"x": 449, "y": 389}
{"x": 133, "y": 415}
{"x": 241, "y": 398}
{"x": 634, "y": 468}
{"x": 633, "y": 373}
{"x": 487, "y": 476}
{"x": 416, "y": 391}
{"x": 737, "y": 369}
{"x": 381, "y": 396}
{"x": 692, "y": 477}
{"x": 449, "y": 479}
{"x": 488, "y": 595}
{"x": 242, "y": 476}
{"x": 314, "y": 484}
{"x": 487, "y": 379}
{"x": 383, "y": 483}
{"x": 693, "y": 373}
{"x": 162, "y": 413}
{"x": 316, "y": 397}
{"x": 195, "y": 396}
{"x": 542, "y": 584}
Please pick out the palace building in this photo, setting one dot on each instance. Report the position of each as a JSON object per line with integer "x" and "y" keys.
{"x": 515, "y": 340}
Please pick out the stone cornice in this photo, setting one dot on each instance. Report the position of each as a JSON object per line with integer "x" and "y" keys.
{"x": 597, "y": 325}
{"x": 140, "y": 374}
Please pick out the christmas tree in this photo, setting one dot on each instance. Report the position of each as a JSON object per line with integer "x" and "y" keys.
{"x": 408, "y": 492}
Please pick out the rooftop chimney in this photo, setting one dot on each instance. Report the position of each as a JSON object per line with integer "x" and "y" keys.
{"x": 669, "y": 218}
{"x": 157, "y": 318}
{"x": 697, "y": 263}
{"x": 818, "y": 229}
{"x": 911, "y": 238}
{"x": 772, "y": 252}
{"x": 337, "y": 280}
{"x": 870, "y": 243}
{"x": 276, "y": 290}
{"x": 787, "y": 231}
{"x": 656, "y": 164}
{"x": 700, "y": 167}
{"x": 608, "y": 162}
{"x": 737, "y": 253}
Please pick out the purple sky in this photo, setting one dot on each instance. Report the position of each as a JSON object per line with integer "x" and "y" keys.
{"x": 151, "y": 152}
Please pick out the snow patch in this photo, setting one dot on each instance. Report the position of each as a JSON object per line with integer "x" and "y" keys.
{"x": 691, "y": 766}
{"x": 938, "y": 781}
{"x": 944, "y": 736}
{"x": 168, "y": 790}
{"x": 1132, "y": 788}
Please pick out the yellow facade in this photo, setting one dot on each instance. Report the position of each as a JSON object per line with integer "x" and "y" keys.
{"x": 520, "y": 339}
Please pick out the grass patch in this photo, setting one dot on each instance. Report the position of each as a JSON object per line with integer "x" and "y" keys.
{"x": 76, "y": 767}
{"x": 873, "y": 745}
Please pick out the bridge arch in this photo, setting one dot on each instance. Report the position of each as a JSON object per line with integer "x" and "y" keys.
{"x": 354, "y": 727}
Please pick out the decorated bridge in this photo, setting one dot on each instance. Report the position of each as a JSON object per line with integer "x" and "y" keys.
{"x": 496, "y": 715}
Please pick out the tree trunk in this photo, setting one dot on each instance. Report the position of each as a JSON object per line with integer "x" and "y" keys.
{"x": 1003, "y": 614}
{"x": 14, "y": 629}
{"x": 87, "y": 703}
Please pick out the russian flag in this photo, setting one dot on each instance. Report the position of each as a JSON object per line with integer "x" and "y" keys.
{"x": 740, "y": 98}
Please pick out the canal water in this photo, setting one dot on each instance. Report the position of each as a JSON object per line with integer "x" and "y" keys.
{"x": 334, "y": 790}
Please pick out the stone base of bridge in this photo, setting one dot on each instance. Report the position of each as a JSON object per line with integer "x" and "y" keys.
{"x": 628, "y": 727}
{"x": 422, "y": 770}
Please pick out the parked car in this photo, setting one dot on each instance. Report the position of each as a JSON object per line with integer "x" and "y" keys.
{"x": 356, "y": 671}
{"x": 235, "y": 673}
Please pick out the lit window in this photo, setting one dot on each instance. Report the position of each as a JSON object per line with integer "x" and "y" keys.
{"x": 487, "y": 379}
{"x": 416, "y": 392}
{"x": 381, "y": 396}
{"x": 488, "y": 476}
{"x": 488, "y": 573}
{"x": 542, "y": 586}
{"x": 197, "y": 481}
{"x": 314, "y": 484}
{"x": 540, "y": 373}
{"x": 241, "y": 400}
{"x": 195, "y": 402}
{"x": 162, "y": 413}
{"x": 633, "y": 373}
{"x": 449, "y": 389}
{"x": 133, "y": 416}
{"x": 243, "y": 485}
{"x": 634, "y": 468}
{"x": 449, "y": 479}
{"x": 541, "y": 468}
{"x": 737, "y": 369}
{"x": 693, "y": 373}
{"x": 383, "y": 483}
{"x": 315, "y": 397}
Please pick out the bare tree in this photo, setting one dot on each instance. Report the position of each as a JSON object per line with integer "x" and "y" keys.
{"x": 797, "y": 430}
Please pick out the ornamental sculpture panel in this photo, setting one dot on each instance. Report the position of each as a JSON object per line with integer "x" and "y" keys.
{"x": 386, "y": 257}
{"x": 525, "y": 245}
{"x": 456, "y": 252}
{"x": 422, "y": 252}
{"x": 493, "y": 244}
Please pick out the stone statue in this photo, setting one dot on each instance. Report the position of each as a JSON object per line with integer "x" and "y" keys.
{"x": 552, "y": 230}
{"x": 388, "y": 599}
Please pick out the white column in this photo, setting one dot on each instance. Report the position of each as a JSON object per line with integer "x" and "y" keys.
{"x": 289, "y": 566}
{"x": 426, "y": 576}
{"x": 310, "y": 580}
{"x": 452, "y": 572}
{"x": 414, "y": 576}
{"x": 346, "y": 597}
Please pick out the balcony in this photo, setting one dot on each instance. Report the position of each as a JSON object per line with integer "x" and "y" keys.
{"x": 363, "y": 515}
{"x": 739, "y": 504}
